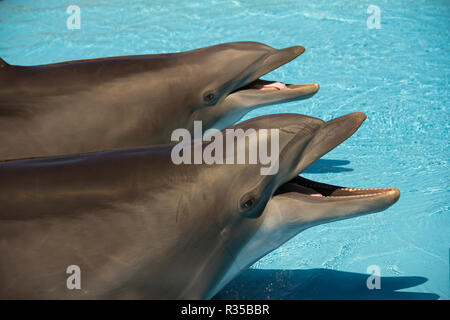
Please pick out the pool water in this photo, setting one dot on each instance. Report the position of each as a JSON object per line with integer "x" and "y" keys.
{"x": 398, "y": 75}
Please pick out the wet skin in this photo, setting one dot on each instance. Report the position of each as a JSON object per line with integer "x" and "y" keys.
{"x": 139, "y": 226}
{"x": 136, "y": 101}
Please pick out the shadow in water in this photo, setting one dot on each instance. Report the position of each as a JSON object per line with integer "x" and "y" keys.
{"x": 328, "y": 165}
{"x": 323, "y": 284}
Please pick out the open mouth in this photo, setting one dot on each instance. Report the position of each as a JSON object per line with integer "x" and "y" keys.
{"x": 326, "y": 138}
{"x": 265, "y": 85}
{"x": 276, "y": 89}
{"x": 321, "y": 191}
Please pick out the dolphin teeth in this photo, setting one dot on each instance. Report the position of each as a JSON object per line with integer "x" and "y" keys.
{"x": 365, "y": 189}
{"x": 324, "y": 191}
{"x": 356, "y": 196}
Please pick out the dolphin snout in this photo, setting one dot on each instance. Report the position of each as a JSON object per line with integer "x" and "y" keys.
{"x": 295, "y": 51}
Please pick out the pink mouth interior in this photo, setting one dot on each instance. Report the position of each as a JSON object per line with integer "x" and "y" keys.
{"x": 270, "y": 86}
{"x": 260, "y": 84}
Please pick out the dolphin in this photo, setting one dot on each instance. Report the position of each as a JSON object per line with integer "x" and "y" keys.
{"x": 139, "y": 226}
{"x": 136, "y": 101}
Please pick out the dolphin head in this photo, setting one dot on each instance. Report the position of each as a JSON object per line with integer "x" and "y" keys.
{"x": 270, "y": 210}
{"x": 230, "y": 84}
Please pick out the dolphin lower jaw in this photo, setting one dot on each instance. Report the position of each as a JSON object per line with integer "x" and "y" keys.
{"x": 307, "y": 203}
{"x": 351, "y": 201}
{"x": 369, "y": 199}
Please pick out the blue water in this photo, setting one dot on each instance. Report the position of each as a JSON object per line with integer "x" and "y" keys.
{"x": 398, "y": 75}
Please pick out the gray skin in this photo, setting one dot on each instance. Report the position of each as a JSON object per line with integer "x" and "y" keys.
{"x": 135, "y": 101}
{"x": 140, "y": 227}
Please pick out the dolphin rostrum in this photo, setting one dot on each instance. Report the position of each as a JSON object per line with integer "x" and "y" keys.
{"x": 139, "y": 226}
{"x": 136, "y": 101}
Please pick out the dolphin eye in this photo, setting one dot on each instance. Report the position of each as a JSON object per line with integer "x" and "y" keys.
{"x": 209, "y": 97}
{"x": 247, "y": 203}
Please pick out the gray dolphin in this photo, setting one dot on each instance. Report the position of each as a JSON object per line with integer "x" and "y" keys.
{"x": 139, "y": 226}
{"x": 135, "y": 101}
